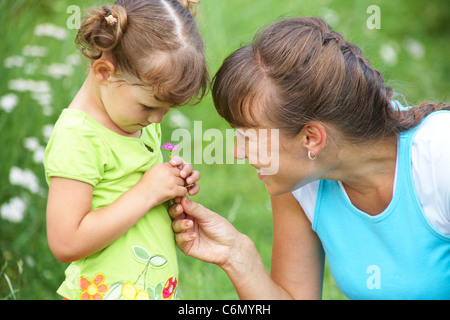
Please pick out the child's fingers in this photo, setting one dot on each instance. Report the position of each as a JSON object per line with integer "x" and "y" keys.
{"x": 176, "y": 161}
{"x": 194, "y": 177}
{"x": 193, "y": 189}
{"x": 180, "y": 191}
{"x": 186, "y": 170}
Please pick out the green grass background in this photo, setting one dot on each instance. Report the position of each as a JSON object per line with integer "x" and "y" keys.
{"x": 27, "y": 268}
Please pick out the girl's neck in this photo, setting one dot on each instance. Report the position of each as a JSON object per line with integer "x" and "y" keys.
{"x": 88, "y": 100}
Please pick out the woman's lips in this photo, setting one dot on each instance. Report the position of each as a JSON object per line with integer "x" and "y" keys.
{"x": 260, "y": 174}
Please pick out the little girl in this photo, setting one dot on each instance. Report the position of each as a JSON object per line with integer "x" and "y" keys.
{"x": 103, "y": 162}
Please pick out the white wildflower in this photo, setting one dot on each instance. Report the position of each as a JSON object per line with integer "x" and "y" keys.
{"x": 38, "y": 155}
{"x": 14, "y": 61}
{"x": 35, "y": 51}
{"x": 330, "y": 16}
{"x": 388, "y": 54}
{"x": 14, "y": 210}
{"x": 24, "y": 178}
{"x": 74, "y": 59}
{"x": 58, "y": 70}
{"x": 31, "y": 143}
{"x": 178, "y": 119}
{"x": 9, "y": 101}
{"x": 30, "y": 68}
{"x": 415, "y": 48}
{"x": 47, "y": 131}
{"x": 50, "y": 30}
{"x": 30, "y": 261}
{"x": 23, "y": 85}
{"x": 44, "y": 98}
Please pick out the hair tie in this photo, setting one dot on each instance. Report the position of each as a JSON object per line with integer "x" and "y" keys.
{"x": 110, "y": 19}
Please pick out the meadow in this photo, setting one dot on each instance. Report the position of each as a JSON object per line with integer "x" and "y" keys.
{"x": 41, "y": 71}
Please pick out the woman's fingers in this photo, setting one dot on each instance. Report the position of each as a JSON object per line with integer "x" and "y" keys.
{"x": 182, "y": 225}
{"x": 183, "y": 237}
{"x": 175, "y": 210}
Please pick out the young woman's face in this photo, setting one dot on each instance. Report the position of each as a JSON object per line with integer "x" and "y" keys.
{"x": 280, "y": 161}
{"x": 132, "y": 108}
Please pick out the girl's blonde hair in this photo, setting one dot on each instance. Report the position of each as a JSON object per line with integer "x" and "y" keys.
{"x": 152, "y": 43}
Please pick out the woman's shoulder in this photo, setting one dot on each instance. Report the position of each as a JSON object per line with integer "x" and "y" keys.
{"x": 431, "y": 143}
{"x": 435, "y": 127}
{"x": 430, "y": 158}
{"x": 306, "y": 197}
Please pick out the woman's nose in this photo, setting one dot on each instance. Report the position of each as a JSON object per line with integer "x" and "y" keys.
{"x": 239, "y": 148}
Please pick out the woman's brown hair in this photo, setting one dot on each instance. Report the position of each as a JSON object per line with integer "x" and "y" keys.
{"x": 299, "y": 70}
{"x": 153, "y": 43}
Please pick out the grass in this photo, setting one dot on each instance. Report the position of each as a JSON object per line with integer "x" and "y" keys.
{"x": 29, "y": 271}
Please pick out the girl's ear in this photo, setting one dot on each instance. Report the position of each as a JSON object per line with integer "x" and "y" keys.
{"x": 103, "y": 70}
{"x": 314, "y": 137}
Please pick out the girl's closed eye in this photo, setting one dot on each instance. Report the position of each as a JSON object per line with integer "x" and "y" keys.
{"x": 147, "y": 107}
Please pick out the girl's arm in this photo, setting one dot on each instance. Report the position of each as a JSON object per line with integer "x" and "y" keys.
{"x": 75, "y": 232}
{"x": 297, "y": 271}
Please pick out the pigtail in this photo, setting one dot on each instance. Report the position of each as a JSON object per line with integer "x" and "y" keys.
{"x": 409, "y": 118}
{"x": 189, "y": 5}
{"x": 102, "y": 30}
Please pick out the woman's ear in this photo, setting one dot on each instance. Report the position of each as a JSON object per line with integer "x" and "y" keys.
{"x": 314, "y": 137}
{"x": 103, "y": 70}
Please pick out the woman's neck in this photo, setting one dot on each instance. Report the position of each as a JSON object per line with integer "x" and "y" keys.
{"x": 367, "y": 173}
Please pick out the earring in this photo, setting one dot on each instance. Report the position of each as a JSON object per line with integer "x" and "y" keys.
{"x": 311, "y": 157}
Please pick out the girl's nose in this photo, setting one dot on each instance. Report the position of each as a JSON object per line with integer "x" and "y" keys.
{"x": 157, "y": 117}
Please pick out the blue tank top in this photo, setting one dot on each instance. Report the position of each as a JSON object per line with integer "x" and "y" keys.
{"x": 396, "y": 254}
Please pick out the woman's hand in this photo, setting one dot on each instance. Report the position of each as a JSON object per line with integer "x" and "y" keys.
{"x": 207, "y": 236}
{"x": 202, "y": 233}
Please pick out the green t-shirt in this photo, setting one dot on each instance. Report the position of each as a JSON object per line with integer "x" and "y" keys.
{"x": 142, "y": 263}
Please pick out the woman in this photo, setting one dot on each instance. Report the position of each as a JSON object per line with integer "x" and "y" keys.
{"x": 358, "y": 180}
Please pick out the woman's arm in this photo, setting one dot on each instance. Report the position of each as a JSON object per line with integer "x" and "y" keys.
{"x": 297, "y": 254}
{"x": 207, "y": 236}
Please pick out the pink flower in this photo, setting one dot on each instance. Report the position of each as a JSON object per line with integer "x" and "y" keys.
{"x": 169, "y": 146}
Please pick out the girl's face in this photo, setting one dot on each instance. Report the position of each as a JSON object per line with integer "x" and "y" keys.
{"x": 280, "y": 161}
{"x": 132, "y": 108}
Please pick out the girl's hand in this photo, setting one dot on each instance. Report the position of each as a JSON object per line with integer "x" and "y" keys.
{"x": 161, "y": 183}
{"x": 202, "y": 233}
{"x": 187, "y": 173}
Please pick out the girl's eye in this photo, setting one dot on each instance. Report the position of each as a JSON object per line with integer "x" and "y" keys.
{"x": 147, "y": 108}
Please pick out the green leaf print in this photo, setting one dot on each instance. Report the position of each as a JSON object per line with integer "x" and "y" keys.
{"x": 141, "y": 253}
{"x": 115, "y": 291}
{"x": 158, "y": 260}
